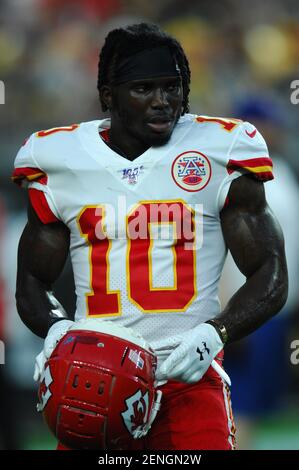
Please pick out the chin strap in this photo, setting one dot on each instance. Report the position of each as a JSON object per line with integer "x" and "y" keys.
{"x": 141, "y": 431}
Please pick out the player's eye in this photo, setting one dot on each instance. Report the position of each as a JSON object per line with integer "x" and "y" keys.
{"x": 141, "y": 88}
{"x": 173, "y": 88}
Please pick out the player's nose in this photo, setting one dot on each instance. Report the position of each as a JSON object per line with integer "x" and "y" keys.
{"x": 159, "y": 99}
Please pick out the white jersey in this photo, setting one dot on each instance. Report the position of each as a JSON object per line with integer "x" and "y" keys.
{"x": 146, "y": 244}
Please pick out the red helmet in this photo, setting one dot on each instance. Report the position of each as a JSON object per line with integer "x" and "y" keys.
{"x": 97, "y": 389}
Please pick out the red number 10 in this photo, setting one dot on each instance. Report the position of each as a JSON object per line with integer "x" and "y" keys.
{"x": 101, "y": 301}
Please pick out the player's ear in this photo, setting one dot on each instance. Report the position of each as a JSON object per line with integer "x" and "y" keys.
{"x": 106, "y": 96}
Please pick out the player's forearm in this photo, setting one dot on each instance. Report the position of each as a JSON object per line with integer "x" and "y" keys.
{"x": 261, "y": 297}
{"x": 37, "y": 306}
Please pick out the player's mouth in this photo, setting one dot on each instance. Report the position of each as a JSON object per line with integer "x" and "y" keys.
{"x": 160, "y": 125}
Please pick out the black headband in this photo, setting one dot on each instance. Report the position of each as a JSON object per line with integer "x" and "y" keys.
{"x": 150, "y": 63}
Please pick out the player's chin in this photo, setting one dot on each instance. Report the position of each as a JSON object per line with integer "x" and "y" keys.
{"x": 157, "y": 139}
{"x": 159, "y": 133}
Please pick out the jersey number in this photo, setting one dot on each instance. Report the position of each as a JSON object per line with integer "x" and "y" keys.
{"x": 227, "y": 124}
{"x": 103, "y": 301}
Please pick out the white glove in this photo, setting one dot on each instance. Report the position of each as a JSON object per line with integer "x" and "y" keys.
{"x": 55, "y": 333}
{"x": 189, "y": 361}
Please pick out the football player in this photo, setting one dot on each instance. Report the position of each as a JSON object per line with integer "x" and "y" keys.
{"x": 147, "y": 202}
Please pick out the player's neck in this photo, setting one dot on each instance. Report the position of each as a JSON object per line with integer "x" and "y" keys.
{"x": 125, "y": 145}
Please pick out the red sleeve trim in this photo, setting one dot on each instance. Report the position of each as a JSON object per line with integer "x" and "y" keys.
{"x": 260, "y": 167}
{"x": 252, "y": 162}
{"x": 29, "y": 174}
{"x": 105, "y": 135}
{"x": 226, "y": 202}
{"x": 40, "y": 205}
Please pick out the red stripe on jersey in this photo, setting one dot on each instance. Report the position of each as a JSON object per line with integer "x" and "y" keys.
{"x": 57, "y": 129}
{"x": 41, "y": 206}
{"x": 105, "y": 135}
{"x": 226, "y": 202}
{"x": 252, "y": 162}
{"x": 29, "y": 174}
{"x": 264, "y": 175}
{"x": 261, "y": 167}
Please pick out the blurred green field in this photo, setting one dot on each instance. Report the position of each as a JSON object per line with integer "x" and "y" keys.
{"x": 279, "y": 433}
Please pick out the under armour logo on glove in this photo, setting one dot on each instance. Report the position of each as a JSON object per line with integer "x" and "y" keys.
{"x": 183, "y": 364}
{"x": 204, "y": 350}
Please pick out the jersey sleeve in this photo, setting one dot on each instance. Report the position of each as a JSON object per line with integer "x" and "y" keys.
{"x": 248, "y": 155}
{"x": 28, "y": 174}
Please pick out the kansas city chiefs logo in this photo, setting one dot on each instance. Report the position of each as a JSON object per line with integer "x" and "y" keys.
{"x": 44, "y": 390}
{"x": 136, "y": 414}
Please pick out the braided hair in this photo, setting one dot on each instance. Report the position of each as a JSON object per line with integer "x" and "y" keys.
{"x": 123, "y": 42}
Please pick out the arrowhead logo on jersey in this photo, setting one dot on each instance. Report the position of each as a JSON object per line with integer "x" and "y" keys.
{"x": 191, "y": 171}
{"x": 44, "y": 390}
{"x": 135, "y": 416}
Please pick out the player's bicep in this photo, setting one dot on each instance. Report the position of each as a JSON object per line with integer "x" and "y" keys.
{"x": 43, "y": 249}
{"x": 250, "y": 230}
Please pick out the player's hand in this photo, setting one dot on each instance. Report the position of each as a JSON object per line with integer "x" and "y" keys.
{"x": 190, "y": 360}
{"x": 55, "y": 333}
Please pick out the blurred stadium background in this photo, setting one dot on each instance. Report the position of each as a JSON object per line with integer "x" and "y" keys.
{"x": 244, "y": 56}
